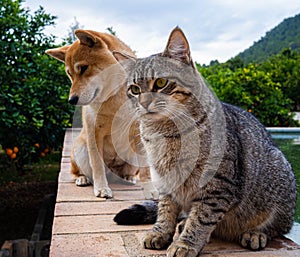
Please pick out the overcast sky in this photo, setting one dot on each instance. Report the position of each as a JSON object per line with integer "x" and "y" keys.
{"x": 216, "y": 29}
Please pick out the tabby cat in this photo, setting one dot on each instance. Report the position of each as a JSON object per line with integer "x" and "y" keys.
{"x": 215, "y": 162}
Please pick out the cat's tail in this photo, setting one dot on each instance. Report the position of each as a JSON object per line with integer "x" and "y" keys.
{"x": 136, "y": 214}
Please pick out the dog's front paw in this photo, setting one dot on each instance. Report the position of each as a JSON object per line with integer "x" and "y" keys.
{"x": 155, "y": 240}
{"x": 104, "y": 192}
{"x": 82, "y": 181}
{"x": 181, "y": 249}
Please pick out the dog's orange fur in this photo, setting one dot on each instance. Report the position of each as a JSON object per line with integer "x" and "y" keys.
{"x": 93, "y": 151}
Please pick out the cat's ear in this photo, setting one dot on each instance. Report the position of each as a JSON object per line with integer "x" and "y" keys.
{"x": 122, "y": 57}
{"x": 178, "y": 47}
{"x": 58, "y": 53}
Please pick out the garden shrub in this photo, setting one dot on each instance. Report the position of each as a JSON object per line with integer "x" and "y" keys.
{"x": 253, "y": 89}
{"x": 34, "y": 111}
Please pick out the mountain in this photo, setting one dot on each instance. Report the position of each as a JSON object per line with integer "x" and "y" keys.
{"x": 285, "y": 35}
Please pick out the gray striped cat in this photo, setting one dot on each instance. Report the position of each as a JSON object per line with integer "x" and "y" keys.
{"x": 214, "y": 161}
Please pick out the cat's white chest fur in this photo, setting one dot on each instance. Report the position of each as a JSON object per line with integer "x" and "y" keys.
{"x": 154, "y": 144}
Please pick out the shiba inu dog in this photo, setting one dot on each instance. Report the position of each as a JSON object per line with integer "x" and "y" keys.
{"x": 96, "y": 85}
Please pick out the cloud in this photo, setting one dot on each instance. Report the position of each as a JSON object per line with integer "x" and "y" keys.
{"x": 216, "y": 29}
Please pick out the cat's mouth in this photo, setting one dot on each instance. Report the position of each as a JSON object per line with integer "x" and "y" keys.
{"x": 153, "y": 115}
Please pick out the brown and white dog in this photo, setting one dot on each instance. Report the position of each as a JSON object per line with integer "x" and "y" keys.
{"x": 97, "y": 86}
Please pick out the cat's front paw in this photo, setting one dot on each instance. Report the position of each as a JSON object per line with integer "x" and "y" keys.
{"x": 155, "y": 240}
{"x": 181, "y": 249}
{"x": 254, "y": 240}
{"x": 104, "y": 192}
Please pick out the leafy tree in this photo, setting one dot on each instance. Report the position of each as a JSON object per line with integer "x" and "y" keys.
{"x": 253, "y": 89}
{"x": 34, "y": 90}
{"x": 284, "y": 68}
{"x": 235, "y": 63}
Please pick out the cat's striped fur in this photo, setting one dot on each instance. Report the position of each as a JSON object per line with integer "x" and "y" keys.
{"x": 216, "y": 162}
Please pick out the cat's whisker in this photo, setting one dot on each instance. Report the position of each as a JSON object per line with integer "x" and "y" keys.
{"x": 124, "y": 124}
{"x": 180, "y": 116}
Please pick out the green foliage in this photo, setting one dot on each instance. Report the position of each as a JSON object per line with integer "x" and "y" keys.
{"x": 285, "y": 69}
{"x": 259, "y": 89}
{"x": 292, "y": 152}
{"x": 34, "y": 91}
{"x": 285, "y": 35}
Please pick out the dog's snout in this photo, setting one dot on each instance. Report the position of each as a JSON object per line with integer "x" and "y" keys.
{"x": 73, "y": 100}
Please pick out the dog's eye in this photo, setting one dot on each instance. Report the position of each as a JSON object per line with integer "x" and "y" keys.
{"x": 135, "y": 89}
{"x": 83, "y": 69}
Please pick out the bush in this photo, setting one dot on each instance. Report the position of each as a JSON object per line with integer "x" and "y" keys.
{"x": 284, "y": 68}
{"x": 254, "y": 90}
{"x": 33, "y": 96}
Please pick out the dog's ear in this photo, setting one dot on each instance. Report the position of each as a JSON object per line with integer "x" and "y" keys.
{"x": 58, "y": 53}
{"x": 88, "y": 37}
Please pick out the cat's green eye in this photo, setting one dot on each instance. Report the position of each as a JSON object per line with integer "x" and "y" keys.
{"x": 160, "y": 83}
{"x": 135, "y": 89}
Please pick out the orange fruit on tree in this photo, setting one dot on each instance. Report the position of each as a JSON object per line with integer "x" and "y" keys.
{"x": 16, "y": 149}
{"x": 37, "y": 145}
{"x": 9, "y": 151}
{"x": 42, "y": 155}
{"x": 13, "y": 155}
{"x": 46, "y": 150}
